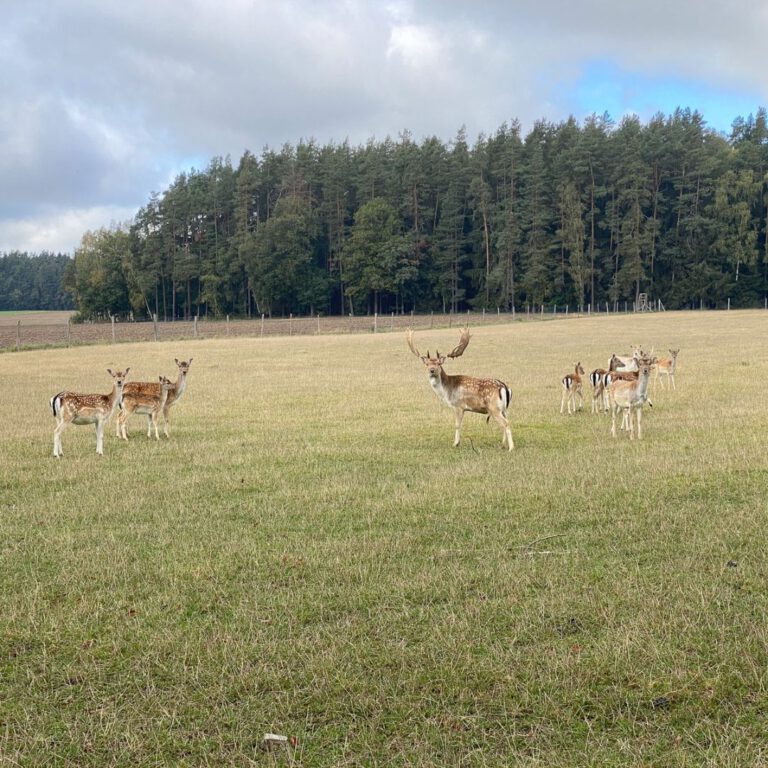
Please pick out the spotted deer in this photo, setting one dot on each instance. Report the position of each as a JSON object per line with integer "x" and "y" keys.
{"x": 71, "y": 408}
{"x": 148, "y": 404}
{"x": 667, "y": 366}
{"x": 572, "y": 389}
{"x": 629, "y": 396}
{"x": 467, "y": 393}
{"x": 136, "y": 390}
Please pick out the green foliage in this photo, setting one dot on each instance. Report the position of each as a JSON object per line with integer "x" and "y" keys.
{"x": 568, "y": 214}
{"x": 29, "y": 281}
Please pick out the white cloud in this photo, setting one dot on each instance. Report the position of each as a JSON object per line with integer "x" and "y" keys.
{"x": 59, "y": 231}
{"x": 102, "y": 98}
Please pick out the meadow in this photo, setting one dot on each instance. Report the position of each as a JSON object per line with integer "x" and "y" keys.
{"x": 308, "y": 555}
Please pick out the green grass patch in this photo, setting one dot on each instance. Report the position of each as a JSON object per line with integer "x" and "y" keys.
{"x": 308, "y": 555}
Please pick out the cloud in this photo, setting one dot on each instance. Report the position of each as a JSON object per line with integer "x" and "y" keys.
{"x": 108, "y": 100}
{"x": 59, "y": 231}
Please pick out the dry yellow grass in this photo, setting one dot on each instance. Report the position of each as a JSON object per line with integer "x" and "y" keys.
{"x": 308, "y": 555}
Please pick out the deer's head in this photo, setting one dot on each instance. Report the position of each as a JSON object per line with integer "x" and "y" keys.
{"x": 435, "y": 364}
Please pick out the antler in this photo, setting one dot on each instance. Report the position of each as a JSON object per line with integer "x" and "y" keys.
{"x": 463, "y": 341}
{"x": 409, "y": 339}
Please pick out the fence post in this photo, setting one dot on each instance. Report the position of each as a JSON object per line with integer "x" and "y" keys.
{"x": 729, "y": 304}
{"x": 112, "y": 318}
{"x": 432, "y": 319}
{"x": 375, "y": 322}
{"x": 195, "y": 325}
{"x": 566, "y": 310}
{"x": 262, "y": 324}
{"x": 542, "y": 309}
{"x": 513, "y": 311}
{"x": 589, "y": 308}
{"x": 392, "y": 323}
{"x": 290, "y": 323}
{"x": 350, "y": 322}
{"x": 68, "y": 324}
{"x": 318, "y": 323}
{"x": 18, "y": 334}
{"x": 554, "y": 309}
{"x": 483, "y": 315}
{"x": 227, "y": 325}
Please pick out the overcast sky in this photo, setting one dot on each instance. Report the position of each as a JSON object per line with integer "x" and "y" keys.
{"x": 104, "y": 102}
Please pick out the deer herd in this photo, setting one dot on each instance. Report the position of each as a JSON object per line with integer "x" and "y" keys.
{"x": 622, "y": 388}
{"x": 149, "y": 398}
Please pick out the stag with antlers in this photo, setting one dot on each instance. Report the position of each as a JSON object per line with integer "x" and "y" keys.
{"x": 467, "y": 393}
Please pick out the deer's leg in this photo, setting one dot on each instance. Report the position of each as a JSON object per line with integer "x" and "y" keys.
{"x": 614, "y": 408}
{"x": 60, "y": 427}
{"x": 155, "y": 419}
{"x": 503, "y": 421}
{"x": 672, "y": 379}
{"x": 459, "y": 418}
{"x": 100, "y": 437}
{"x": 166, "y": 420}
{"x": 580, "y": 393}
{"x": 639, "y": 414}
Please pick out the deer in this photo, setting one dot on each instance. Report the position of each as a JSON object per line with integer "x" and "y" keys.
{"x": 629, "y": 395}
{"x": 152, "y": 389}
{"x": 572, "y": 389}
{"x": 145, "y": 403}
{"x": 466, "y": 393}
{"x": 71, "y": 408}
{"x": 667, "y": 366}
{"x": 599, "y": 394}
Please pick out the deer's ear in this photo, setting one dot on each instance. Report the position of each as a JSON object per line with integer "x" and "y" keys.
{"x": 126, "y": 371}
{"x": 160, "y": 379}
{"x": 441, "y": 359}
{"x": 109, "y": 371}
{"x": 190, "y": 361}
{"x": 176, "y": 360}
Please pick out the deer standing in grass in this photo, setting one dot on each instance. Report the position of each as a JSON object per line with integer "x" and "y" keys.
{"x": 599, "y": 394}
{"x": 136, "y": 391}
{"x": 467, "y": 393}
{"x": 630, "y": 395}
{"x": 71, "y": 408}
{"x": 572, "y": 389}
{"x": 149, "y": 404}
{"x": 667, "y": 366}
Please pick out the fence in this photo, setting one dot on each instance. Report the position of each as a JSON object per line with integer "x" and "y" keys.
{"x": 30, "y": 335}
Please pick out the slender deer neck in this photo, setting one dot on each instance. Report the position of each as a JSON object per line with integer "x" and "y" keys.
{"x": 115, "y": 398}
{"x": 181, "y": 384}
{"x": 642, "y": 384}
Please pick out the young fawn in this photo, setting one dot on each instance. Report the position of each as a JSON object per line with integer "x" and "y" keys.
{"x": 150, "y": 405}
{"x": 71, "y": 408}
{"x": 137, "y": 389}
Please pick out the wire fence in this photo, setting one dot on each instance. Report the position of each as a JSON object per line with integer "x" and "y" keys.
{"x": 65, "y": 334}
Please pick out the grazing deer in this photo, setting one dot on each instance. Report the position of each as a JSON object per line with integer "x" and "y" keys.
{"x": 572, "y": 389}
{"x": 70, "y": 408}
{"x": 667, "y": 366}
{"x": 144, "y": 403}
{"x": 630, "y": 395}
{"x": 467, "y": 393}
{"x": 151, "y": 389}
{"x": 599, "y": 394}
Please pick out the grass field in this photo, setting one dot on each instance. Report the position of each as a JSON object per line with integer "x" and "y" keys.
{"x": 308, "y": 555}
{"x": 33, "y": 317}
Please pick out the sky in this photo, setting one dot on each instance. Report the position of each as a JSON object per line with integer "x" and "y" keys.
{"x": 103, "y": 103}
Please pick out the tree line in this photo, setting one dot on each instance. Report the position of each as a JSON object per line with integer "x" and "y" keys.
{"x": 34, "y": 281}
{"x": 569, "y": 213}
